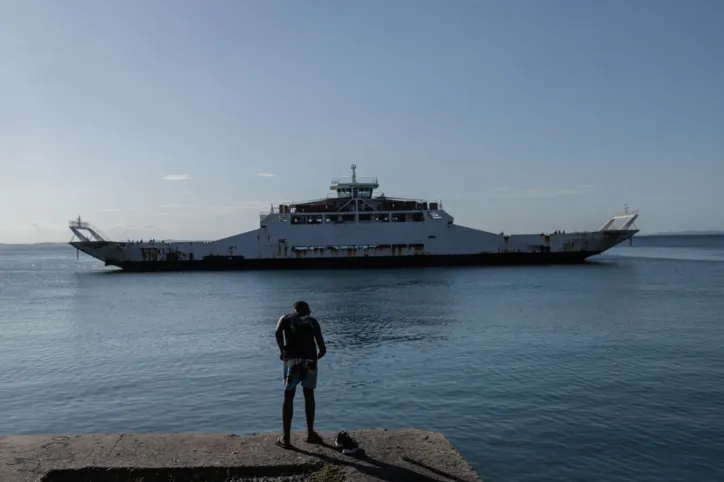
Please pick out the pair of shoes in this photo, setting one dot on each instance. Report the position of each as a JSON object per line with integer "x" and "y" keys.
{"x": 345, "y": 442}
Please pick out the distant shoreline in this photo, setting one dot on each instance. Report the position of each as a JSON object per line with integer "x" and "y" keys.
{"x": 684, "y": 233}
{"x": 37, "y": 245}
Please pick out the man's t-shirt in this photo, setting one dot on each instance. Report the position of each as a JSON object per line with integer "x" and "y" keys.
{"x": 299, "y": 333}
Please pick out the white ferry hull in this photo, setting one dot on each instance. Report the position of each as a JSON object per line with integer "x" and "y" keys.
{"x": 259, "y": 250}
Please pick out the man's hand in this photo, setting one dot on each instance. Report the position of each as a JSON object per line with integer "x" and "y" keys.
{"x": 320, "y": 341}
{"x": 279, "y": 335}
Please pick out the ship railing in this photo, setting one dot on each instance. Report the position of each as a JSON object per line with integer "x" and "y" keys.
{"x": 409, "y": 199}
{"x": 79, "y": 224}
{"x": 433, "y": 213}
{"x": 273, "y": 209}
{"x": 357, "y": 180}
{"x": 626, "y": 219}
{"x": 332, "y": 197}
{"x": 329, "y": 197}
{"x": 265, "y": 214}
{"x": 83, "y": 229}
{"x": 626, "y": 213}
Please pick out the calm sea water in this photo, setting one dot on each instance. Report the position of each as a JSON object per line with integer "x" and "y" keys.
{"x": 609, "y": 371}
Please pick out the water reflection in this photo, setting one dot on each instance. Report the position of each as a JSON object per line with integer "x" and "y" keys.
{"x": 364, "y": 310}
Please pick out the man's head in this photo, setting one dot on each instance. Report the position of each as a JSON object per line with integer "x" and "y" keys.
{"x": 302, "y": 308}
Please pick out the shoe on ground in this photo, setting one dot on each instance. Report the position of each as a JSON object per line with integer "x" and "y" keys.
{"x": 346, "y": 443}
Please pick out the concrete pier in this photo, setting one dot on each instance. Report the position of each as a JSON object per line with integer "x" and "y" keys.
{"x": 385, "y": 455}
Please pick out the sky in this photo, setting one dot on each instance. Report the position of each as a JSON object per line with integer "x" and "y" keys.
{"x": 183, "y": 119}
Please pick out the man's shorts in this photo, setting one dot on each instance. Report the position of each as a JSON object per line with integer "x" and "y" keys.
{"x": 299, "y": 371}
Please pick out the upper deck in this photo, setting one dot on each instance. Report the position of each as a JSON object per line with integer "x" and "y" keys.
{"x": 354, "y": 201}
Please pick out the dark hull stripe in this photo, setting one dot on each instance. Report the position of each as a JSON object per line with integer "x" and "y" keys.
{"x": 224, "y": 263}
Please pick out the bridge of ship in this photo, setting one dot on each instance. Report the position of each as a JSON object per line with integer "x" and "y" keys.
{"x": 353, "y": 201}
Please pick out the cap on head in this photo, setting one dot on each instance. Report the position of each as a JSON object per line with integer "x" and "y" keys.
{"x": 302, "y": 308}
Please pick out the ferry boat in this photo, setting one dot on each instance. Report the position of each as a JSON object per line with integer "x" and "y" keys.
{"x": 354, "y": 228}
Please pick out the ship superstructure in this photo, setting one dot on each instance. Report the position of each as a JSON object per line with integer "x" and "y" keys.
{"x": 354, "y": 228}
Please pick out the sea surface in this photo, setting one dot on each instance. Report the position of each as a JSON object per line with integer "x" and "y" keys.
{"x": 610, "y": 371}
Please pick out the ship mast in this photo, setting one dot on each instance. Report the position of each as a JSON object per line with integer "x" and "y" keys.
{"x": 354, "y": 187}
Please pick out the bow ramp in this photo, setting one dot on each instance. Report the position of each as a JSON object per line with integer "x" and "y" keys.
{"x": 626, "y": 221}
{"x": 86, "y": 232}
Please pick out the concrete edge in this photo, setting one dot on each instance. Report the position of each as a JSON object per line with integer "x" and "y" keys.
{"x": 391, "y": 455}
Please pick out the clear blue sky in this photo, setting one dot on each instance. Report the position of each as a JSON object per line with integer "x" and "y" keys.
{"x": 521, "y": 116}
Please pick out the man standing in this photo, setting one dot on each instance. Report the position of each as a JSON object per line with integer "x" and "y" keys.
{"x": 301, "y": 345}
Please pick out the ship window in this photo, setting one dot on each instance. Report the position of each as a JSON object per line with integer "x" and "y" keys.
{"x": 299, "y": 219}
{"x": 417, "y": 217}
{"x": 382, "y": 218}
{"x": 365, "y": 217}
{"x": 347, "y": 218}
{"x": 398, "y": 218}
{"x": 315, "y": 220}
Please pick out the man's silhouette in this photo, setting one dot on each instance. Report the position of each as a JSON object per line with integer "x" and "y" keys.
{"x": 301, "y": 345}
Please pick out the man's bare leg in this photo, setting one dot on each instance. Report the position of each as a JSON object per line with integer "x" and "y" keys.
{"x": 309, "y": 409}
{"x": 288, "y": 413}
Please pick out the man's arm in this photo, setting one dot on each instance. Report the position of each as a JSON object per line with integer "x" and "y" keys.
{"x": 320, "y": 340}
{"x": 280, "y": 336}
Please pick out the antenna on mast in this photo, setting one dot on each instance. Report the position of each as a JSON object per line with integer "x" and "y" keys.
{"x": 354, "y": 173}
